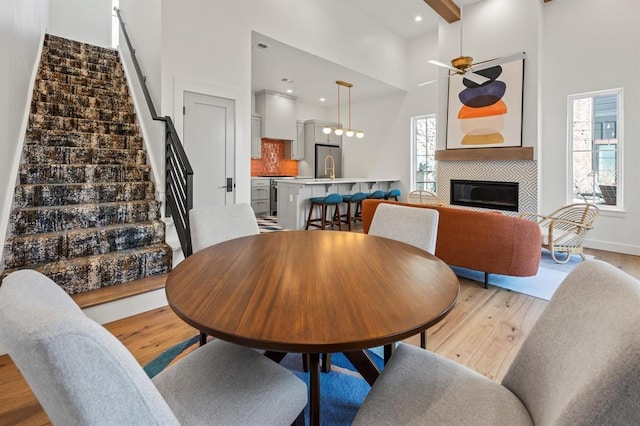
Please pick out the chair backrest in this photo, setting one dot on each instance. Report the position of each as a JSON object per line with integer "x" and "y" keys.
{"x": 212, "y": 225}
{"x": 581, "y": 213}
{"x": 80, "y": 373}
{"x": 420, "y": 196}
{"x": 418, "y": 227}
{"x": 580, "y": 363}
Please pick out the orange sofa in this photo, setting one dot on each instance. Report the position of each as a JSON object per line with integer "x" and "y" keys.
{"x": 490, "y": 242}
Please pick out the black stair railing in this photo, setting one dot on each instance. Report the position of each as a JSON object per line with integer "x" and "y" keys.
{"x": 178, "y": 171}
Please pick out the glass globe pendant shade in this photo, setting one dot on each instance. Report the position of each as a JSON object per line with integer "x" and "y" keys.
{"x": 349, "y": 133}
{"x": 326, "y": 130}
{"x": 339, "y": 132}
{"x": 360, "y": 135}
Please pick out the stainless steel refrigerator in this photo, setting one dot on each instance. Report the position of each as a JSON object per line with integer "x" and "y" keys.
{"x": 328, "y": 161}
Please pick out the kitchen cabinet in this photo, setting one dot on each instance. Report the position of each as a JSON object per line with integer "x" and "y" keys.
{"x": 260, "y": 196}
{"x": 313, "y": 133}
{"x": 295, "y": 150}
{"x": 278, "y": 113}
{"x": 256, "y": 136}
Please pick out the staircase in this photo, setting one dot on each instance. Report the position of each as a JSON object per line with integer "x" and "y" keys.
{"x": 84, "y": 210}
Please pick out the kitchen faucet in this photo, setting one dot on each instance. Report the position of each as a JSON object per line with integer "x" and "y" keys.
{"x": 331, "y": 169}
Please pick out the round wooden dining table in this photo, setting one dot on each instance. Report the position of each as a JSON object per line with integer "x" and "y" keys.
{"x": 313, "y": 292}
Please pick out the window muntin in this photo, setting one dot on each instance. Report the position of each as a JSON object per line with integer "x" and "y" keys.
{"x": 423, "y": 132}
{"x": 595, "y": 146}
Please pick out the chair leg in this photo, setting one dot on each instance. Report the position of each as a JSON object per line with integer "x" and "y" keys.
{"x": 486, "y": 280}
{"x": 326, "y": 362}
{"x": 299, "y": 421}
{"x": 203, "y": 338}
{"x": 423, "y": 340}
{"x": 311, "y": 207}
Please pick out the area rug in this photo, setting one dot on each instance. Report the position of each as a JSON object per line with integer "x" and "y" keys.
{"x": 342, "y": 390}
{"x": 268, "y": 224}
{"x": 543, "y": 285}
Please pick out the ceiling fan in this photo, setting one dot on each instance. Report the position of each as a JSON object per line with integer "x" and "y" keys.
{"x": 463, "y": 65}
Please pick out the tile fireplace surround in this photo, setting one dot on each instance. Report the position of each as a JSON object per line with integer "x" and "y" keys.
{"x": 525, "y": 172}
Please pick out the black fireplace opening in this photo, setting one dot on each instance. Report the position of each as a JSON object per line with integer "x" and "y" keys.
{"x": 485, "y": 194}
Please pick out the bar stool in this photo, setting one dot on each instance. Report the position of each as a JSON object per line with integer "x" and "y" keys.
{"x": 394, "y": 193}
{"x": 377, "y": 195}
{"x": 324, "y": 202}
{"x": 357, "y": 200}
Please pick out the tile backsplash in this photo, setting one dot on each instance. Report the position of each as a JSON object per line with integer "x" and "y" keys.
{"x": 273, "y": 161}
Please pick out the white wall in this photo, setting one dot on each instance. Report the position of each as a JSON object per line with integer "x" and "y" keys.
{"x": 591, "y": 45}
{"x": 22, "y": 24}
{"x": 88, "y": 21}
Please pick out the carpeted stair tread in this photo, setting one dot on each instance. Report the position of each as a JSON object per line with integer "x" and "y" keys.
{"x": 83, "y": 125}
{"x": 87, "y": 173}
{"x": 104, "y": 73}
{"x": 90, "y": 272}
{"x": 31, "y": 220}
{"x": 56, "y": 109}
{"x": 38, "y": 154}
{"x": 114, "y": 86}
{"x": 51, "y": 57}
{"x": 77, "y": 139}
{"x": 53, "y": 87}
{"x": 105, "y": 101}
{"x": 35, "y": 195}
{"x": 29, "y": 250}
{"x": 78, "y": 46}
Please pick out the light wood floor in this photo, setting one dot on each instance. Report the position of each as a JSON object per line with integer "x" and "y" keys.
{"x": 483, "y": 332}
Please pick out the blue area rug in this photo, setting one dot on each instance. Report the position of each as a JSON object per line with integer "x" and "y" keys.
{"x": 543, "y": 285}
{"x": 342, "y": 390}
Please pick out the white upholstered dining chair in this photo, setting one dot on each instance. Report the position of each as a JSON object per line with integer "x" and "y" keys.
{"x": 410, "y": 225}
{"x": 579, "y": 365}
{"x": 82, "y": 375}
{"x": 216, "y": 224}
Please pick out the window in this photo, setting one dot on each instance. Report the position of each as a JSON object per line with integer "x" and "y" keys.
{"x": 595, "y": 146}
{"x": 423, "y": 136}
{"x": 115, "y": 24}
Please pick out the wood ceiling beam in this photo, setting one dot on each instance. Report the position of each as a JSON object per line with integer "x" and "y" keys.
{"x": 445, "y": 8}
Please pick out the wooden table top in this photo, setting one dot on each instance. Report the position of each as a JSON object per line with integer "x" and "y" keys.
{"x": 312, "y": 291}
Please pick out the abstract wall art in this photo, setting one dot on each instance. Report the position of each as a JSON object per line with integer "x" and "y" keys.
{"x": 487, "y": 115}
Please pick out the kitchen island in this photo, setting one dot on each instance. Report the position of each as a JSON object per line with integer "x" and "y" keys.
{"x": 294, "y": 194}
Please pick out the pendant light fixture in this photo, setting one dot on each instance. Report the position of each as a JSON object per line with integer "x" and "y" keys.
{"x": 348, "y": 132}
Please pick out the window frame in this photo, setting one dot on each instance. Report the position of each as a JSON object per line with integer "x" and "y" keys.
{"x": 619, "y": 93}
{"x": 414, "y": 154}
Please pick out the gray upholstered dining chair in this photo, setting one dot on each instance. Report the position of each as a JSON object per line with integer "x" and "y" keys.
{"x": 212, "y": 225}
{"x": 82, "y": 374}
{"x": 580, "y": 365}
{"x": 410, "y": 225}
{"x": 216, "y": 224}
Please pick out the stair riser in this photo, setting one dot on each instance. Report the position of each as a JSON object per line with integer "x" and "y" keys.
{"x": 92, "y": 272}
{"x": 60, "y": 138}
{"x": 52, "y": 219}
{"x": 40, "y": 174}
{"x": 33, "y": 250}
{"x": 54, "y": 88}
{"x": 107, "y": 102}
{"x": 55, "y": 54}
{"x": 116, "y": 86}
{"x": 71, "y": 111}
{"x": 58, "y": 195}
{"x": 91, "y": 64}
{"x": 78, "y": 49}
{"x": 82, "y": 125}
{"x": 107, "y": 73}
{"x": 36, "y": 154}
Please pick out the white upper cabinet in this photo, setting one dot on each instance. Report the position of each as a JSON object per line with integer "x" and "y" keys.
{"x": 313, "y": 133}
{"x": 256, "y": 136}
{"x": 278, "y": 113}
{"x": 295, "y": 149}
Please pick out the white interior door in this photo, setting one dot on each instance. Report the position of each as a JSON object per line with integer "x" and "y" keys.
{"x": 209, "y": 137}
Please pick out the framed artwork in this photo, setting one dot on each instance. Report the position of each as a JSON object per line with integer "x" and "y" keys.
{"x": 487, "y": 115}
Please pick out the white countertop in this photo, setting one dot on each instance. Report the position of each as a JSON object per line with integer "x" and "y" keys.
{"x": 328, "y": 181}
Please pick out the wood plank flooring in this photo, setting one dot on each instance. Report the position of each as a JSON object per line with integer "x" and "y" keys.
{"x": 483, "y": 332}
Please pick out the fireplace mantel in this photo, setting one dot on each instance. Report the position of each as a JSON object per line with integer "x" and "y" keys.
{"x": 507, "y": 153}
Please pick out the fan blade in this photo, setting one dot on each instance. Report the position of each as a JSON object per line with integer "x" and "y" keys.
{"x": 427, "y": 82}
{"x": 476, "y": 78}
{"x": 493, "y": 62}
{"x": 443, "y": 65}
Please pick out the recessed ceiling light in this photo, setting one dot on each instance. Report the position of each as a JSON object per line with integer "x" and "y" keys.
{"x": 289, "y": 91}
{"x": 418, "y": 18}
{"x": 322, "y": 99}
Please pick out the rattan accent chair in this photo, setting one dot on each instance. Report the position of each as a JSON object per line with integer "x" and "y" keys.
{"x": 563, "y": 231}
{"x": 421, "y": 196}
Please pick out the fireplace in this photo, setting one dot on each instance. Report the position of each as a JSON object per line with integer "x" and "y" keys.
{"x": 488, "y": 195}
